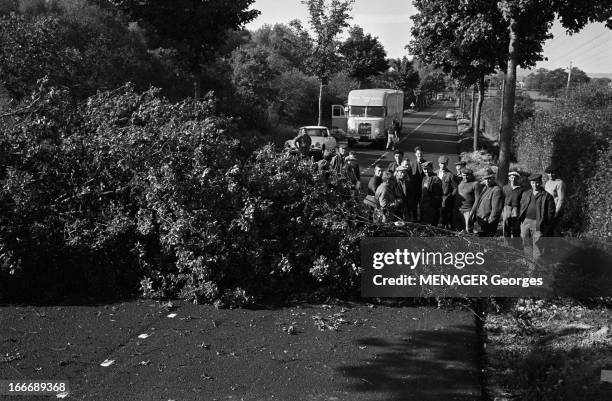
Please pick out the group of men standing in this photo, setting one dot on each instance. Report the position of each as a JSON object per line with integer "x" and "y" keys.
{"x": 412, "y": 190}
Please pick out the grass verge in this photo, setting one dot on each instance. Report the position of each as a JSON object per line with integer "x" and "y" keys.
{"x": 549, "y": 350}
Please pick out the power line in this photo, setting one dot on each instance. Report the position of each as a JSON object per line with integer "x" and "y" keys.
{"x": 582, "y": 49}
{"x": 584, "y": 43}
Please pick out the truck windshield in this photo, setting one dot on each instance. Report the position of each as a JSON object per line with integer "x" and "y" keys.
{"x": 375, "y": 111}
{"x": 357, "y": 111}
{"x": 369, "y": 111}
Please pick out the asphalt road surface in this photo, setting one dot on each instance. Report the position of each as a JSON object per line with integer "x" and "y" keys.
{"x": 426, "y": 128}
{"x": 145, "y": 351}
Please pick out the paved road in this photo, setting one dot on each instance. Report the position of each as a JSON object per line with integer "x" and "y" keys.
{"x": 378, "y": 353}
{"x": 426, "y": 128}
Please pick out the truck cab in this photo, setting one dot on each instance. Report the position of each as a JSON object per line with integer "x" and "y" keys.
{"x": 370, "y": 113}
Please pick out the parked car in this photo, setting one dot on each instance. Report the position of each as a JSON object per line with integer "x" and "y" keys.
{"x": 321, "y": 139}
{"x": 450, "y": 115}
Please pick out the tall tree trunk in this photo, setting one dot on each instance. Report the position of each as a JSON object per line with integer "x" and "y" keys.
{"x": 481, "y": 94}
{"x": 505, "y": 136}
{"x": 320, "y": 103}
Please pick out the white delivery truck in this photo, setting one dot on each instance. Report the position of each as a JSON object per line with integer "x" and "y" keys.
{"x": 369, "y": 114}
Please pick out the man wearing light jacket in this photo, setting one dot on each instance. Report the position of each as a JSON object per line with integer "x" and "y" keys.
{"x": 488, "y": 206}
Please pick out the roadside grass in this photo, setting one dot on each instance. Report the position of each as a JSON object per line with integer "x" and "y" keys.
{"x": 549, "y": 350}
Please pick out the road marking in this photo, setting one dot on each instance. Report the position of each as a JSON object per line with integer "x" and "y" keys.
{"x": 402, "y": 140}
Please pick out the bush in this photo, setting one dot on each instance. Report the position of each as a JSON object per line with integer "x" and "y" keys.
{"x": 84, "y": 47}
{"x": 599, "y": 195}
{"x": 130, "y": 188}
{"x": 575, "y": 137}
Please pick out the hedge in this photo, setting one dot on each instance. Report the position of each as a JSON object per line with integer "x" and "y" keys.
{"x": 575, "y": 137}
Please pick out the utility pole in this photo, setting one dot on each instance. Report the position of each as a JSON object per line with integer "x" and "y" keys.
{"x": 569, "y": 78}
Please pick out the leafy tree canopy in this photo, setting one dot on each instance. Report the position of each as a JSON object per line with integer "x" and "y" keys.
{"x": 195, "y": 29}
{"x": 327, "y": 18}
{"x": 363, "y": 55}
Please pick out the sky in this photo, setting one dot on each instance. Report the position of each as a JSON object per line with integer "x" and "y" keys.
{"x": 389, "y": 20}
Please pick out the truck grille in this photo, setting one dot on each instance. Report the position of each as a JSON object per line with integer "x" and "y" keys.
{"x": 364, "y": 129}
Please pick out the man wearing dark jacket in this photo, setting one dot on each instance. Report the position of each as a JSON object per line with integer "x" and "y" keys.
{"x": 404, "y": 192}
{"x": 488, "y": 206}
{"x": 416, "y": 168}
{"x": 398, "y": 155}
{"x": 537, "y": 214}
{"x": 512, "y": 203}
{"x": 337, "y": 161}
{"x": 448, "y": 191}
{"x": 302, "y": 143}
{"x": 431, "y": 196}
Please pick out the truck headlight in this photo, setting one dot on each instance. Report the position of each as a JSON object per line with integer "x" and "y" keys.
{"x": 376, "y": 131}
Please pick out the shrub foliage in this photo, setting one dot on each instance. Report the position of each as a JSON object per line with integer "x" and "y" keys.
{"x": 128, "y": 188}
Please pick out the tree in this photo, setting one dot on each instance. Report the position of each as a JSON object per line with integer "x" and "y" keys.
{"x": 327, "y": 18}
{"x": 601, "y": 81}
{"x": 521, "y": 27}
{"x": 460, "y": 38}
{"x": 534, "y": 81}
{"x": 554, "y": 83}
{"x": 195, "y": 30}
{"x": 528, "y": 23}
{"x": 253, "y": 79}
{"x": 363, "y": 55}
{"x": 403, "y": 74}
{"x": 286, "y": 43}
{"x": 400, "y": 75}
{"x": 84, "y": 48}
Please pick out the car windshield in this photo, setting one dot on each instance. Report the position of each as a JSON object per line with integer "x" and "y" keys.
{"x": 315, "y": 131}
{"x": 369, "y": 111}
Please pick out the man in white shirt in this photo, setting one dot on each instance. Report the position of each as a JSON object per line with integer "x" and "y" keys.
{"x": 556, "y": 187}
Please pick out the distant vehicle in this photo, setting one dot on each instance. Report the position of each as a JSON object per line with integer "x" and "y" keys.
{"x": 450, "y": 115}
{"x": 321, "y": 139}
{"x": 369, "y": 114}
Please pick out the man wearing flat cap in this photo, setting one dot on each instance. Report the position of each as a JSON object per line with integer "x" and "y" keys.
{"x": 536, "y": 214}
{"x": 448, "y": 190}
{"x": 467, "y": 193}
{"x": 431, "y": 196}
{"x": 459, "y": 165}
{"x": 398, "y": 156}
{"x": 488, "y": 206}
{"x": 512, "y": 203}
{"x": 351, "y": 172}
{"x": 337, "y": 161}
{"x": 385, "y": 197}
{"x": 404, "y": 192}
